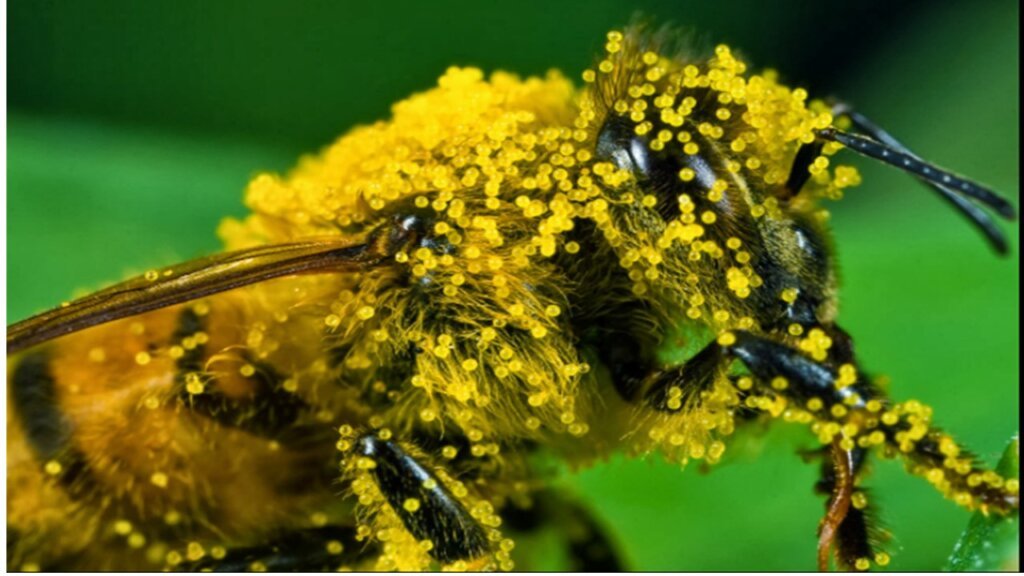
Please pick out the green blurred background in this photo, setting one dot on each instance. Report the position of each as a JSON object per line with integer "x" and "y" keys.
{"x": 134, "y": 126}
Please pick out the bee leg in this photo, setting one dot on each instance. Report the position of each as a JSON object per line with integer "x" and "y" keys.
{"x": 766, "y": 359}
{"x": 847, "y": 524}
{"x": 316, "y": 549}
{"x": 269, "y": 411}
{"x": 854, "y": 413}
{"x": 590, "y": 547}
{"x": 698, "y": 373}
{"x": 427, "y": 509}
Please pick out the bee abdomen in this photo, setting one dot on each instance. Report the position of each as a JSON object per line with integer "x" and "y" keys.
{"x": 47, "y": 430}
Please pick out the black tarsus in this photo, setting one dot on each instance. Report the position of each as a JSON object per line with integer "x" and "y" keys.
{"x": 440, "y": 518}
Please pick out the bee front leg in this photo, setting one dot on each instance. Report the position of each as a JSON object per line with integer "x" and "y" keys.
{"x": 848, "y": 520}
{"x": 789, "y": 373}
{"x": 846, "y": 526}
{"x": 851, "y": 416}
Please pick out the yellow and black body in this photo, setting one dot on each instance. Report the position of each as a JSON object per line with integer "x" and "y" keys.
{"x": 402, "y": 322}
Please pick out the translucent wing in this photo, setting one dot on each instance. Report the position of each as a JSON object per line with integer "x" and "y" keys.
{"x": 195, "y": 279}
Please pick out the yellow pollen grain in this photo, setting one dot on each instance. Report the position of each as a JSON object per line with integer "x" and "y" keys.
{"x": 411, "y": 505}
{"x": 136, "y": 540}
{"x": 158, "y": 479}
{"x": 142, "y": 358}
{"x": 859, "y": 500}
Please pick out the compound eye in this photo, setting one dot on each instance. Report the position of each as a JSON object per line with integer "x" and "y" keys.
{"x": 658, "y": 172}
{"x": 619, "y": 144}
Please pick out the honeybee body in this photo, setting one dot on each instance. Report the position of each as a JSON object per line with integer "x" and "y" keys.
{"x": 492, "y": 273}
{"x": 110, "y": 460}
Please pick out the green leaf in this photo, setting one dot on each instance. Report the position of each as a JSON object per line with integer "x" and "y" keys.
{"x": 992, "y": 543}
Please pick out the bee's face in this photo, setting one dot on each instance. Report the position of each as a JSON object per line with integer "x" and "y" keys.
{"x": 707, "y": 203}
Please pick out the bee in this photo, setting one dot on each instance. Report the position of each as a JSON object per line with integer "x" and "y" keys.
{"x": 404, "y": 325}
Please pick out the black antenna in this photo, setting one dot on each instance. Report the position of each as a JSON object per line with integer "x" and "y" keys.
{"x": 904, "y": 160}
{"x": 953, "y": 188}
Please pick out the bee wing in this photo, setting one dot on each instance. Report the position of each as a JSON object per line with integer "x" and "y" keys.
{"x": 195, "y": 279}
